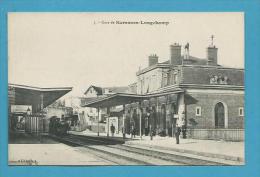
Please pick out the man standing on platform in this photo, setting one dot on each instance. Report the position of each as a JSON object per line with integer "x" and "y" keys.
{"x": 177, "y": 134}
{"x": 112, "y": 129}
{"x": 132, "y": 129}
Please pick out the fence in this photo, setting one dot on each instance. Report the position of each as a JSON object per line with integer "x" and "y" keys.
{"x": 36, "y": 124}
{"x": 217, "y": 134}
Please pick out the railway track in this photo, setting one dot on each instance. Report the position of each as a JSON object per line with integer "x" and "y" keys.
{"x": 118, "y": 153}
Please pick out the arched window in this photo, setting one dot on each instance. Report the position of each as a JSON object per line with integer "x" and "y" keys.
{"x": 153, "y": 118}
{"x": 219, "y": 115}
{"x": 174, "y": 108}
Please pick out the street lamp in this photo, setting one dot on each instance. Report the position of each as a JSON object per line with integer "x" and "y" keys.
{"x": 107, "y": 126}
{"x": 98, "y": 120}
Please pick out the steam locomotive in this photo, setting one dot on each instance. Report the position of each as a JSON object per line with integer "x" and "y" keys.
{"x": 58, "y": 127}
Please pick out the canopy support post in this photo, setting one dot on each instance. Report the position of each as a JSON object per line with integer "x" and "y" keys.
{"x": 99, "y": 115}
{"x": 140, "y": 118}
{"x": 123, "y": 129}
{"x": 108, "y": 114}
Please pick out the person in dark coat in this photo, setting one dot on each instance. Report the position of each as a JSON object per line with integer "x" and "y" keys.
{"x": 146, "y": 125}
{"x": 112, "y": 129}
{"x": 132, "y": 130}
{"x": 177, "y": 135}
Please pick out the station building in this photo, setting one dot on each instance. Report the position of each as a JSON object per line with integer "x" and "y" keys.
{"x": 203, "y": 97}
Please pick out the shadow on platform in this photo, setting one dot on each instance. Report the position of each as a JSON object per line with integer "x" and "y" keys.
{"x": 26, "y": 138}
{"x": 82, "y": 140}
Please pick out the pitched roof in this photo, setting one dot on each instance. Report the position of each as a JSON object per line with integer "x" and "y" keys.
{"x": 192, "y": 60}
{"x": 85, "y": 100}
{"x": 124, "y": 98}
{"x": 166, "y": 64}
{"x": 28, "y": 95}
{"x": 101, "y": 90}
{"x": 98, "y": 89}
{"x": 203, "y": 74}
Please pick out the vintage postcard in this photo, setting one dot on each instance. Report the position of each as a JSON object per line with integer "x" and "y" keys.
{"x": 126, "y": 88}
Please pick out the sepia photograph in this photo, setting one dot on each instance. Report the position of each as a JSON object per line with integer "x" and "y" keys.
{"x": 126, "y": 88}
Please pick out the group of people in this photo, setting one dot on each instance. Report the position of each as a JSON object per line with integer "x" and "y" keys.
{"x": 149, "y": 130}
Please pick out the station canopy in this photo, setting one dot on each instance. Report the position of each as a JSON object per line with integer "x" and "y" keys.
{"x": 35, "y": 96}
{"x": 122, "y": 99}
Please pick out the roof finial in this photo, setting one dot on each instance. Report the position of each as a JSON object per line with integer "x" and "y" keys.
{"x": 212, "y": 39}
{"x": 187, "y": 51}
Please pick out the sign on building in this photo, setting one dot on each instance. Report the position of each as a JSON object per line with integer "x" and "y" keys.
{"x": 20, "y": 108}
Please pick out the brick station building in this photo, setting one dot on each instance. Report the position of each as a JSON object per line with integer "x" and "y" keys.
{"x": 207, "y": 99}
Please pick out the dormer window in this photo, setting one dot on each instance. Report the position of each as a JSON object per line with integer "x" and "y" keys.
{"x": 214, "y": 79}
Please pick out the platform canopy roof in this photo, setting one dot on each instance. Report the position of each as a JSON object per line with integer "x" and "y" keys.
{"x": 35, "y": 96}
{"x": 122, "y": 99}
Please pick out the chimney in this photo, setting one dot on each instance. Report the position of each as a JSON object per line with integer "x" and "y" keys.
{"x": 212, "y": 55}
{"x": 175, "y": 51}
{"x": 153, "y": 59}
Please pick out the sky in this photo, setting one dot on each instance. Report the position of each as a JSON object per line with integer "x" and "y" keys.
{"x": 83, "y": 49}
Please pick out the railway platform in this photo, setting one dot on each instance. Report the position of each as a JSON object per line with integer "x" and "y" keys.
{"x": 86, "y": 148}
{"x": 32, "y": 149}
{"x": 221, "y": 150}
